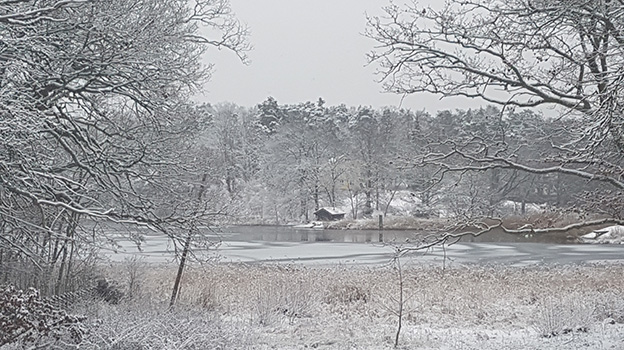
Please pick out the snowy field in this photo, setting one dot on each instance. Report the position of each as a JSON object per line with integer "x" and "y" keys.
{"x": 285, "y": 306}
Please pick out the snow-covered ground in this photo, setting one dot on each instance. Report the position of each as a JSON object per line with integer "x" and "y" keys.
{"x": 607, "y": 235}
{"x": 283, "y": 306}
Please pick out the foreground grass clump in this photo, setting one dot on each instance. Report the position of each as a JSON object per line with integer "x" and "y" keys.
{"x": 136, "y": 327}
{"x": 235, "y": 306}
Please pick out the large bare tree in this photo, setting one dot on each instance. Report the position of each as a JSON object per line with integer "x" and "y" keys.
{"x": 93, "y": 103}
{"x": 516, "y": 54}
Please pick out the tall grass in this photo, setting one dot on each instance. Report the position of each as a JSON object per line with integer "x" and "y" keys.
{"x": 236, "y": 306}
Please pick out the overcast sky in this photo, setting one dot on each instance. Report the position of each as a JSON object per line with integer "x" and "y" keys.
{"x": 307, "y": 49}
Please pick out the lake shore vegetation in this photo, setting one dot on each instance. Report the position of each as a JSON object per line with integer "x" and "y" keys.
{"x": 236, "y": 306}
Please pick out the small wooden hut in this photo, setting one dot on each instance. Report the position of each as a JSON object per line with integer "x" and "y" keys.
{"x": 329, "y": 214}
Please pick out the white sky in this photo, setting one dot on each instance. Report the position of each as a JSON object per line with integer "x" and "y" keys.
{"x": 304, "y": 50}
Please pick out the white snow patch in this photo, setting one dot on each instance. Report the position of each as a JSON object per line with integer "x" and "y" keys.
{"x": 312, "y": 224}
{"x": 607, "y": 235}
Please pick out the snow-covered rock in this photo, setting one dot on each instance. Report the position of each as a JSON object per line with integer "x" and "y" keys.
{"x": 607, "y": 235}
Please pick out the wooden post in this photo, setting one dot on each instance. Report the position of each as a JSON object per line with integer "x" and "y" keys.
{"x": 380, "y": 228}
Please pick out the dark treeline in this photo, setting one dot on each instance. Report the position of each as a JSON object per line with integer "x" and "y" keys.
{"x": 279, "y": 163}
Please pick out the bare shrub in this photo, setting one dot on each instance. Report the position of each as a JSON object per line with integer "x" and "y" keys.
{"x": 552, "y": 319}
{"x": 134, "y": 269}
{"x": 346, "y": 294}
{"x": 266, "y": 307}
{"x": 610, "y": 305}
{"x": 28, "y": 320}
{"x": 145, "y": 328}
{"x": 208, "y": 298}
{"x": 284, "y": 297}
{"x": 558, "y": 316}
{"x": 297, "y": 300}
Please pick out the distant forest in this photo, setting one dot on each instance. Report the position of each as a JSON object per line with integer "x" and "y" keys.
{"x": 277, "y": 163}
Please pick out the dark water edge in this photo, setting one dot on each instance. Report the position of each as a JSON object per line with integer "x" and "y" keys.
{"x": 294, "y": 234}
{"x": 287, "y": 244}
{"x": 499, "y": 236}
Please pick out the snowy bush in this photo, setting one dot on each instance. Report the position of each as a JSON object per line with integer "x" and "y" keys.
{"x": 136, "y": 326}
{"x": 558, "y": 316}
{"x": 292, "y": 299}
{"x": 346, "y": 294}
{"x": 25, "y": 318}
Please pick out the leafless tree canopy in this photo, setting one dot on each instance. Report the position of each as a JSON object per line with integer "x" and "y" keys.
{"x": 93, "y": 105}
{"x": 518, "y": 53}
{"x": 567, "y": 53}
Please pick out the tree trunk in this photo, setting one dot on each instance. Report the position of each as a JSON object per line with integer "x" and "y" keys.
{"x": 61, "y": 272}
{"x": 176, "y": 285}
{"x": 187, "y": 247}
{"x": 369, "y": 199}
{"x": 377, "y": 196}
{"x": 400, "y": 301}
{"x": 316, "y": 197}
{"x": 72, "y": 245}
{"x": 390, "y": 201}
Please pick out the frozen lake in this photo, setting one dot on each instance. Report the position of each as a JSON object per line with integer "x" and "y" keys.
{"x": 309, "y": 246}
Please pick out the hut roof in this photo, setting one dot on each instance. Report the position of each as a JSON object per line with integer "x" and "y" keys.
{"x": 332, "y": 211}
